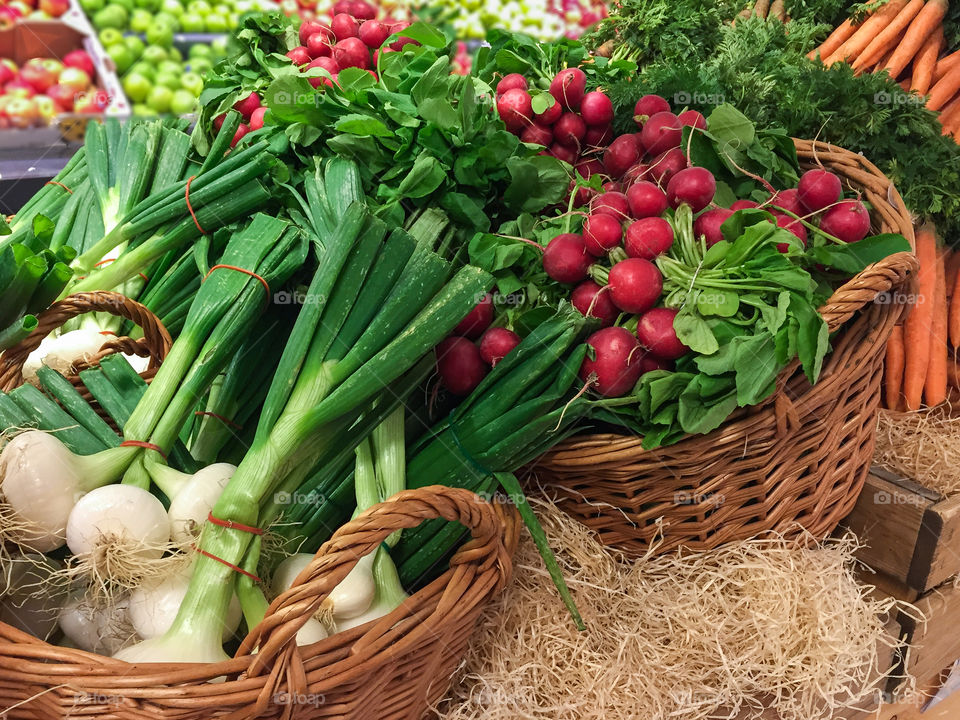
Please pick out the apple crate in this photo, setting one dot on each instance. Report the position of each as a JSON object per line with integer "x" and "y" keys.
{"x": 54, "y": 39}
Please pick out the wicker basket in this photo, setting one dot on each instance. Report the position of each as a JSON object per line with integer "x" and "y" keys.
{"x": 154, "y": 344}
{"x": 390, "y": 669}
{"x": 797, "y": 461}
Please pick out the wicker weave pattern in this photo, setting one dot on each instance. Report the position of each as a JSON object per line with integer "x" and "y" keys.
{"x": 797, "y": 461}
{"x": 390, "y": 669}
{"x": 155, "y": 343}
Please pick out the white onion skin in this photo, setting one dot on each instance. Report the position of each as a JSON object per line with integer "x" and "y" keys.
{"x": 60, "y": 352}
{"x": 154, "y": 606}
{"x": 349, "y": 599}
{"x": 190, "y": 507}
{"x": 118, "y": 511}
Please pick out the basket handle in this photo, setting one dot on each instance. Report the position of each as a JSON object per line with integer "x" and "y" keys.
{"x": 155, "y": 344}
{"x": 890, "y": 273}
{"x": 491, "y": 534}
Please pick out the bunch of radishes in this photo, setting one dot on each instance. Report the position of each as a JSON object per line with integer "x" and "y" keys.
{"x": 473, "y": 348}
{"x": 610, "y": 264}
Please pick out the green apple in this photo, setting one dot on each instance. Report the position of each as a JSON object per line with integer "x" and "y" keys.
{"x": 168, "y": 20}
{"x": 172, "y": 6}
{"x": 192, "y": 83}
{"x": 112, "y": 16}
{"x": 160, "y": 98}
{"x": 199, "y": 50}
{"x": 169, "y": 80}
{"x": 160, "y": 34}
{"x": 170, "y": 66}
{"x": 134, "y": 44}
{"x": 217, "y": 24}
{"x": 110, "y": 36}
{"x": 141, "y": 110}
{"x": 125, "y": 4}
{"x": 121, "y": 56}
{"x": 199, "y": 7}
{"x": 199, "y": 66}
{"x": 175, "y": 54}
{"x": 233, "y": 20}
{"x": 192, "y": 22}
{"x": 142, "y": 68}
{"x": 219, "y": 47}
{"x": 222, "y": 9}
{"x": 92, "y": 6}
{"x": 183, "y": 102}
{"x": 154, "y": 55}
{"x": 148, "y": 5}
{"x": 136, "y": 86}
{"x": 141, "y": 20}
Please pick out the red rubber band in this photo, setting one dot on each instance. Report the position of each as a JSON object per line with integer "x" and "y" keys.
{"x": 54, "y": 182}
{"x": 145, "y": 278}
{"x": 231, "y": 525}
{"x": 104, "y": 262}
{"x": 190, "y": 207}
{"x": 221, "y": 418}
{"x": 144, "y": 445}
{"x": 228, "y": 564}
{"x": 108, "y": 332}
{"x": 252, "y": 274}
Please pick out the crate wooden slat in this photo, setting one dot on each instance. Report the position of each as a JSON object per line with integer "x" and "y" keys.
{"x": 911, "y": 533}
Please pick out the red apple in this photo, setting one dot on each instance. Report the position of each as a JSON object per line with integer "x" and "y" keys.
{"x": 53, "y": 8}
{"x": 41, "y": 73}
{"x": 24, "y": 8}
{"x": 8, "y": 16}
{"x": 19, "y": 88}
{"x": 92, "y": 102}
{"x": 46, "y": 108}
{"x": 22, "y": 112}
{"x": 8, "y": 71}
{"x": 62, "y": 95}
{"x": 75, "y": 78}
{"x": 79, "y": 59}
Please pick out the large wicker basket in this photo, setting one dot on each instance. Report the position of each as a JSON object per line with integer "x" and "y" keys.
{"x": 154, "y": 344}
{"x": 390, "y": 669}
{"x": 797, "y": 461}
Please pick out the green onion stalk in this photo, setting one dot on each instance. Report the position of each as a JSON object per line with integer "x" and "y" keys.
{"x": 356, "y": 337}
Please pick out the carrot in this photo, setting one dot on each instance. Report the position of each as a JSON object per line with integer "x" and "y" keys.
{"x": 925, "y": 62}
{"x": 904, "y": 84}
{"x": 935, "y": 384}
{"x": 890, "y": 35}
{"x": 837, "y": 38}
{"x": 916, "y": 331}
{"x": 953, "y": 323}
{"x": 778, "y": 11}
{"x": 953, "y": 373}
{"x": 944, "y": 64}
{"x": 925, "y": 24}
{"x": 868, "y": 30}
{"x": 893, "y": 369}
{"x": 761, "y": 8}
{"x": 942, "y": 92}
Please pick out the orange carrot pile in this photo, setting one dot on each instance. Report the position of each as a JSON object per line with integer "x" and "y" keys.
{"x": 920, "y": 364}
{"x": 905, "y": 39}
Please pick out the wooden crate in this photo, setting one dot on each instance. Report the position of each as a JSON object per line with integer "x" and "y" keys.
{"x": 912, "y": 534}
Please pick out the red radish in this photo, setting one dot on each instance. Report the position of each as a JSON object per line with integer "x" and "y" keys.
{"x": 648, "y": 237}
{"x": 564, "y": 153}
{"x": 218, "y": 121}
{"x": 351, "y": 52}
{"x": 344, "y": 26}
{"x": 569, "y": 130}
{"x": 238, "y": 135}
{"x": 310, "y": 28}
{"x": 460, "y": 365}
{"x": 691, "y": 118}
{"x": 788, "y": 200}
{"x": 78, "y": 59}
{"x": 550, "y": 115}
{"x": 597, "y": 137}
{"x": 568, "y": 87}
{"x": 256, "y": 118}
{"x": 496, "y": 343}
{"x": 537, "y": 134}
{"x": 601, "y": 232}
{"x": 646, "y": 200}
{"x": 328, "y": 64}
{"x": 477, "y": 320}
{"x": 513, "y": 81}
{"x": 848, "y": 221}
{"x": 399, "y": 44}
{"x": 651, "y": 363}
{"x": 565, "y": 259}
{"x": 622, "y": 154}
{"x": 299, "y": 56}
{"x": 247, "y": 105}
{"x": 655, "y": 332}
{"x": 591, "y": 300}
{"x": 318, "y": 46}
{"x": 616, "y": 362}
{"x": 342, "y": 6}
{"x": 818, "y": 189}
{"x": 373, "y": 33}
{"x": 635, "y": 285}
{"x": 635, "y": 173}
{"x": 708, "y": 225}
{"x": 647, "y": 107}
{"x": 793, "y": 226}
{"x": 584, "y": 194}
{"x": 596, "y": 109}
{"x": 515, "y": 109}
{"x": 665, "y": 166}
{"x": 744, "y": 205}
{"x": 589, "y": 168}
{"x": 611, "y": 203}
{"x": 694, "y": 186}
{"x": 362, "y": 10}
{"x": 661, "y": 132}
{"x": 612, "y": 186}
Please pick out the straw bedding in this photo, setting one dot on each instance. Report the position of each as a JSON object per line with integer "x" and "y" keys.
{"x": 923, "y": 446}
